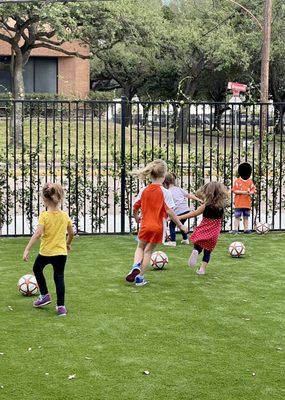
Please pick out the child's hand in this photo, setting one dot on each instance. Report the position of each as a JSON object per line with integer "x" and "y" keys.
{"x": 68, "y": 247}
{"x": 26, "y": 255}
{"x": 184, "y": 229}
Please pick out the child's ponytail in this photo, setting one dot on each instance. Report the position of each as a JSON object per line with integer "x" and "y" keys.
{"x": 155, "y": 169}
{"x": 53, "y": 192}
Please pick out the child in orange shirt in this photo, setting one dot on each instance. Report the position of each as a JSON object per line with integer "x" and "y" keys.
{"x": 243, "y": 189}
{"x": 155, "y": 203}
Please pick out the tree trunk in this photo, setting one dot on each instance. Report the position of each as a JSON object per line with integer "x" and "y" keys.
{"x": 129, "y": 93}
{"x": 18, "y": 93}
{"x": 146, "y": 108}
{"x": 218, "y": 113}
{"x": 265, "y": 60}
{"x": 184, "y": 115}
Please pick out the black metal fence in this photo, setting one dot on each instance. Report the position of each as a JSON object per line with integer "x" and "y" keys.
{"x": 89, "y": 147}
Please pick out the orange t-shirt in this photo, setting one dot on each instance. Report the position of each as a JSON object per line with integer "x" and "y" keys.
{"x": 153, "y": 200}
{"x": 243, "y": 200}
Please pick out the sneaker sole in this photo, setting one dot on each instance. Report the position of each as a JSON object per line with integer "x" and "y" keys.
{"x": 132, "y": 275}
{"x": 42, "y": 305}
{"x": 198, "y": 273}
{"x": 142, "y": 283}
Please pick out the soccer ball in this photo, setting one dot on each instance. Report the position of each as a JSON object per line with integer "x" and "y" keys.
{"x": 262, "y": 228}
{"x": 237, "y": 249}
{"x": 158, "y": 260}
{"x": 28, "y": 285}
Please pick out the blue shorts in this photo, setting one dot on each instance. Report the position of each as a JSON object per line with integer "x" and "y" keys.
{"x": 245, "y": 212}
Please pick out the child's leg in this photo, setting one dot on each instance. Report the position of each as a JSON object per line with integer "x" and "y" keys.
{"x": 58, "y": 264}
{"x": 149, "y": 248}
{"x": 139, "y": 279}
{"x": 38, "y": 268}
{"x": 194, "y": 256}
{"x": 139, "y": 253}
{"x": 184, "y": 235}
{"x": 236, "y": 224}
{"x": 205, "y": 262}
{"x": 136, "y": 268}
{"x": 172, "y": 227}
{"x": 246, "y": 215}
{"x": 39, "y": 265}
{"x": 245, "y": 223}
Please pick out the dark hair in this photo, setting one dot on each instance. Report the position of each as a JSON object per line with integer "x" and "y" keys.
{"x": 214, "y": 194}
{"x": 169, "y": 180}
{"x": 244, "y": 170}
{"x": 53, "y": 192}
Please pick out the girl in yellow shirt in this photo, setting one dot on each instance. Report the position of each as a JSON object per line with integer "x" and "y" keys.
{"x": 52, "y": 228}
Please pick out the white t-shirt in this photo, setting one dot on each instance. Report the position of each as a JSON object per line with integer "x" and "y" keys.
{"x": 180, "y": 200}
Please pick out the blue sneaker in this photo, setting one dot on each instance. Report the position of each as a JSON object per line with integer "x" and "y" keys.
{"x": 133, "y": 272}
{"x": 140, "y": 281}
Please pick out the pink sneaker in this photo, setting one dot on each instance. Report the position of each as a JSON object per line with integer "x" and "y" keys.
{"x": 193, "y": 258}
{"x": 42, "y": 301}
{"x": 201, "y": 271}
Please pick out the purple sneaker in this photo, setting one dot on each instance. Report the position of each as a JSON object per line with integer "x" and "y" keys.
{"x": 61, "y": 311}
{"x": 42, "y": 301}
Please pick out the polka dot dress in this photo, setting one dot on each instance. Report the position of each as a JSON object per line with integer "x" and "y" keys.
{"x": 207, "y": 233}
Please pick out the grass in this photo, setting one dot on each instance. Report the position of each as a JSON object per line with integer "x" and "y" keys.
{"x": 59, "y": 136}
{"x": 217, "y": 337}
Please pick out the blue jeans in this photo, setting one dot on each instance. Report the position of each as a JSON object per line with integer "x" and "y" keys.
{"x": 172, "y": 227}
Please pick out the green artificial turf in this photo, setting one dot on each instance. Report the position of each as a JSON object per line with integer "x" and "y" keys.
{"x": 213, "y": 337}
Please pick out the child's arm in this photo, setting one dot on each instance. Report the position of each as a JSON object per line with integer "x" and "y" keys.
{"x": 240, "y": 191}
{"x": 193, "y": 197}
{"x": 176, "y": 220}
{"x": 38, "y": 233}
{"x": 70, "y": 236}
{"x": 136, "y": 214}
{"x": 137, "y": 206}
{"x": 193, "y": 214}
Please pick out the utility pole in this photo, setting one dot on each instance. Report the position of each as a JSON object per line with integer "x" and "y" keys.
{"x": 265, "y": 62}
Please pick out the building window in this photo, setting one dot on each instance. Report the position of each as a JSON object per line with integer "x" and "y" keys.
{"x": 40, "y": 75}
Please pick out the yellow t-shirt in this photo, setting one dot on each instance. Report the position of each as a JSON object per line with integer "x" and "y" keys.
{"x": 53, "y": 240}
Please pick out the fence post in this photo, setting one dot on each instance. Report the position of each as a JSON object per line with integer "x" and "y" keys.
{"x": 123, "y": 161}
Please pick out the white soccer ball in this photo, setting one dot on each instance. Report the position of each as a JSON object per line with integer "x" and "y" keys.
{"x": 262, "y": 227}
{"x": 237, "y": 249}
{"x": 27, "y": 285}
{"x": 158, "y": 260}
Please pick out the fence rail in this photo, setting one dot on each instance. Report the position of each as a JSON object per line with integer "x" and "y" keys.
{"x": 90, "y": 146}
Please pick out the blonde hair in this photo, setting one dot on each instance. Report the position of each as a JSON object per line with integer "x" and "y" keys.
{"x": 214, "y": 194}
{"x": 170, "y": 179}
{"x": 154, "y": 170}
{"x": 53, "y": 192}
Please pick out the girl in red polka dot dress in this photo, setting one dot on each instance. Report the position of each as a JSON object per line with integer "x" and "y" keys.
{"x": 206, "y": 234}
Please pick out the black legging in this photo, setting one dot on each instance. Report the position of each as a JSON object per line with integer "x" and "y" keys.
{"x": 58, "y": 263}
{"x": 206, "y": 255}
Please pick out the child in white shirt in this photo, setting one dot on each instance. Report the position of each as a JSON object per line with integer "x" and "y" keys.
{"x": 180, "y": 197}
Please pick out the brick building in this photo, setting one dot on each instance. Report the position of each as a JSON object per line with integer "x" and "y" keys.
{"x": 50, "y": 71}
